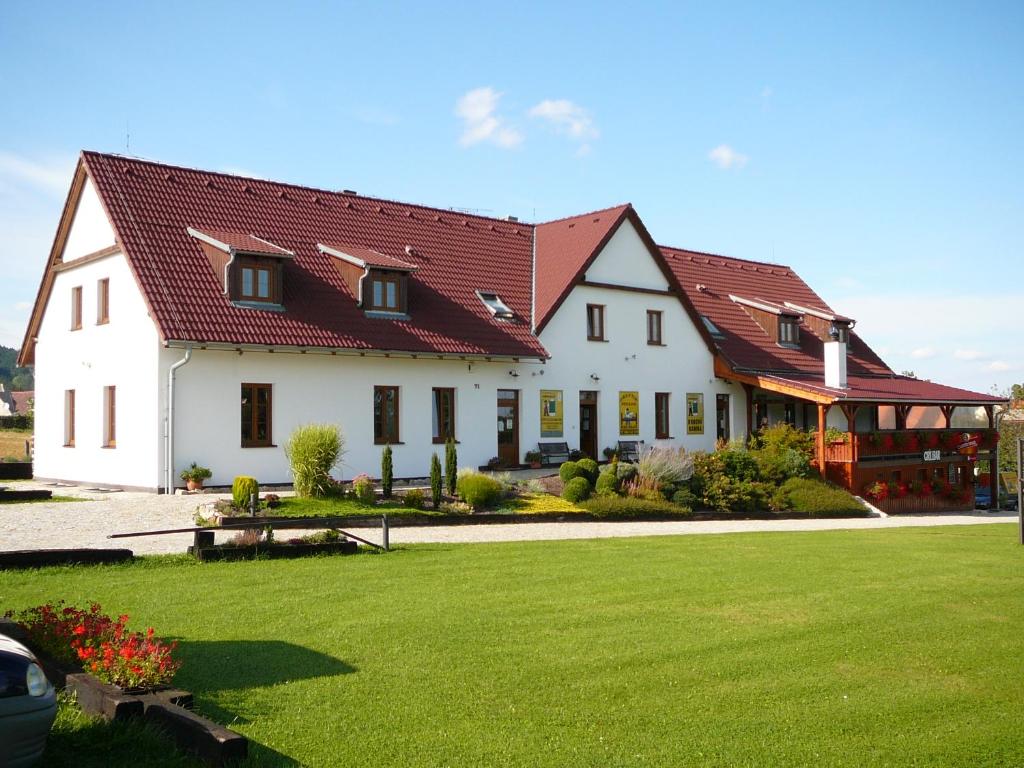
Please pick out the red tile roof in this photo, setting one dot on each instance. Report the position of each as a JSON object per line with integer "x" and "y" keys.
{"x": 365, "y": 257}
{"x": 889, "y": 389}
{"x": 709, "y": 280}
{"x": 236, "y": 241}
{"x": 151, "y": 205}
{"x": 22, "y": 400}
{"x": 564, "y": 250}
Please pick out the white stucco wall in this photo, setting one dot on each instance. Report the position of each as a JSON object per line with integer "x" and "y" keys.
{"x": 90, "y": 231}
{"x": 122, "y": 353}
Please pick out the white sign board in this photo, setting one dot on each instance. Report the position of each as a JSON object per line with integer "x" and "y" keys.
{"x": 932, "y": 455}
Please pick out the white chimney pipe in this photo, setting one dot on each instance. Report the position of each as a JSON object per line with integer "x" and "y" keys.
{"x": 835, "y": 364}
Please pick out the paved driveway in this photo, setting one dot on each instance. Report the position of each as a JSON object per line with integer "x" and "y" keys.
{"x": 87, "y": 524}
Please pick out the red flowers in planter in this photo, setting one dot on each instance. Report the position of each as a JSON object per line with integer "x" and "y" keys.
{"x": 103, "y": 646}
{"x": 926, "y": 489}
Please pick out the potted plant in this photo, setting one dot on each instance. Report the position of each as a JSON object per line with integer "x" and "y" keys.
{"x": 533, "y": 459}
{"x": 609, "y": 452}
{"x": 195, "y": 475}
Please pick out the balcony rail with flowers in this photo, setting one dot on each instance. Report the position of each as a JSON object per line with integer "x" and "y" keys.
{"x": 894, "y": 443}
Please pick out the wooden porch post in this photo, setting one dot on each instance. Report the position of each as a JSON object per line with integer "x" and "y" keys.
{"x": 947, "y": 413}
{"x": 850, "y": 411}
{"x": 822, "y": 415}
{"x": 993, "y": 457}
{"x": 749, "y": 390}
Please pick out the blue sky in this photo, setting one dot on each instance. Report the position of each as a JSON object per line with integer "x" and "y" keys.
{"x": 874, "y": 148}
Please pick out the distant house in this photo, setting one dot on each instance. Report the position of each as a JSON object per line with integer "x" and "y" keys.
{"x": 7, "y": 405}
{"x": 189, "y": 316}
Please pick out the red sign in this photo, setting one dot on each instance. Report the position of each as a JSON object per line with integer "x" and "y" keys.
{"x": 969, "y": 444}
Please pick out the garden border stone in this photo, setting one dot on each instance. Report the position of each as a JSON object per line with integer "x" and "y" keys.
{"x": 273, "y": 551}
{"x": 14, "y": 495}
{"x": 15, "y": 470}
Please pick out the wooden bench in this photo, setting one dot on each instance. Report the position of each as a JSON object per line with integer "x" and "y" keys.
{"x": 629, "y": 450}
{"x": 553, "y": 452}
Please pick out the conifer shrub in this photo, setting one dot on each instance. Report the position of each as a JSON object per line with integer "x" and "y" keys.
{"x": 569, "y": 470}
{"x": 451, "y": 466}
{"x": 242, "y": 489}
{"x": 576, "y": 490}
{"x": 607, "y": 484}
{"x": 589, "y": 469}
{"x": 313, "y": 450}
{"x": 387, "y": 472}
{"x": 435, "y": 481}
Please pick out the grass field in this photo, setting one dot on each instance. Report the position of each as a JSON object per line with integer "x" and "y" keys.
{"x": 12, "y": 442}
{"x": 887, "y": 648}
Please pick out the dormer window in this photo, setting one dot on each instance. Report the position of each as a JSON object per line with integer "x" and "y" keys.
{"x": 789, "y": 331}
{"x": 385, "y": 294}
{"x": 252, "y": 268}
{"x": 380, "y": 283}
{"x": 498, "y": 308}
{"x": 257, "y": 280}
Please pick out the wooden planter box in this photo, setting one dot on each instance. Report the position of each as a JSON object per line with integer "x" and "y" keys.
{"x": 15, "y": 470}
{"x": 273, "y": 551}
{"x": 14, "y": 496}
{"x": 38, "y": 558}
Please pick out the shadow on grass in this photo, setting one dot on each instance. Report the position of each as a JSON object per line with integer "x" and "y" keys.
{"x": 239, "y": 664}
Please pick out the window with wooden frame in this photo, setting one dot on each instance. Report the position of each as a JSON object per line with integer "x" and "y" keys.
{"x": 662, "y": 422}
{"x": 444, "y": 414}
{"x": 76, "y": 308}
{"x": 595, "y": 322}
{"x": 110, "y": 417}
{"x": 385, "y": 415}
{"x": 789, "y": 331}
{"x": 386, "y": 292}
{"x": 69, "y": 418}
{"x": 103, "y": 301}
{"x": 257, "y": 415}
{"x": 258, "y": 279}
{"x": 654, "y": 328}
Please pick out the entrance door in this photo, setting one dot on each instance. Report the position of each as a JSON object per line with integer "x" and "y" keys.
{"x": 722, "y": 417}
{"x": 508, "y": 427}
{"x": 588, "y": 424}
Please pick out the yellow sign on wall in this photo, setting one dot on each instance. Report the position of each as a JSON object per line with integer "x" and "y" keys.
{"x": 629, "y": 413}
{"x": 694, "y": 413}
{"x": 551, "y": 413}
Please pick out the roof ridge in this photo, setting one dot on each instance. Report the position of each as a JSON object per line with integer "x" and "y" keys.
{"x": 309, "y": 188}
{"x": 582, "y": 215}
{"x": 730, "y": 258}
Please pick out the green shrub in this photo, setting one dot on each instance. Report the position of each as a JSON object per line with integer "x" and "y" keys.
{"x": 435, "y": 481}
{"x": 577, "y": 489}
{"x": 413, "y": 499}
{"x": 607, "y": 484}
{"x": 782, "y": 437}
{"x": 819, "y": 499}
{"x": 777, "y": 466}
{"x": 627, "y": 507}
{"x": 569, "y": 470}
{"x": 451, "y": 466}
{"x": 242, "y": 489}
{"x": 313, "y": 450}
{"x": 625, "y": 471}
{"x": 589, "y": 469}
{"x": 478, "y": 490}
{"x": 387, "y": 472}
{"x": 739, "y": 463}
{"x": 665, "y": 466}
{"x": 362, "y": 487}
{"x": 684, "y": 497}
{"x": 729, "y": 495}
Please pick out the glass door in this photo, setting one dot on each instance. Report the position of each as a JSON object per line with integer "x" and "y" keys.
{"x": 508, "y": 427}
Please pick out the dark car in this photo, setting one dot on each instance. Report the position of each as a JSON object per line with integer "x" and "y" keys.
{"x": 28, "y": 705}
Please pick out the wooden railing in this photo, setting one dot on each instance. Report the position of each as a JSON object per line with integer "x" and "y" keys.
{"x": 906, "y": 442}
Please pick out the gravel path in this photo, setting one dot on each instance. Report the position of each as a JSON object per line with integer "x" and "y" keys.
{"x": 57, "y": 525}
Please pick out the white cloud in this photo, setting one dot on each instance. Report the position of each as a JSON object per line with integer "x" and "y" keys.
{"x": 567, "y": 118}
{"x": 478, "y": 111}
{"x": 923, "y": 353}
{"x": 969, "y": 354}
{"x": 51, "y": 175}
{"x": 727, "y": 158}
{"x": 1000, "y": 366}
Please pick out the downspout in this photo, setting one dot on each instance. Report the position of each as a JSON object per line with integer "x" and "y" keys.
{"x": 169, "y": 453}
{"x": 359, "y": 285}
{"x": 227, "y": 272}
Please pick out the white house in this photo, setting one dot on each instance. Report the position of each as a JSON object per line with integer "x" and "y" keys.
{"x": 194, "y": 316}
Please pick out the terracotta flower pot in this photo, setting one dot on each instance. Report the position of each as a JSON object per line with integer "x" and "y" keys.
{"x": 194, "y": 485}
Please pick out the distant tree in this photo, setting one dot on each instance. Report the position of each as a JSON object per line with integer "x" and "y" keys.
{"x": 1017, "y": 392}
{"x": 11, "y": 376}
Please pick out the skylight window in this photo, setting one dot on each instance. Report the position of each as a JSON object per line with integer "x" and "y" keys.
{"x": 497, "y": 307}
{"x": 712, "y": 328}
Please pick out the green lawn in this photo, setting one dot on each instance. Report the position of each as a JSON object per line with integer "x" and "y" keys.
{"x": 898, "y": 647}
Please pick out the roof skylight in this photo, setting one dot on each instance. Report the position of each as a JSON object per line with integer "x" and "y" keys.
{"x": 497, "y": 307}
{"x": 712, "y": 328}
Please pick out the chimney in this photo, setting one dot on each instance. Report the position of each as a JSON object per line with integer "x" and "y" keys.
{"x": 835, "y": 360}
